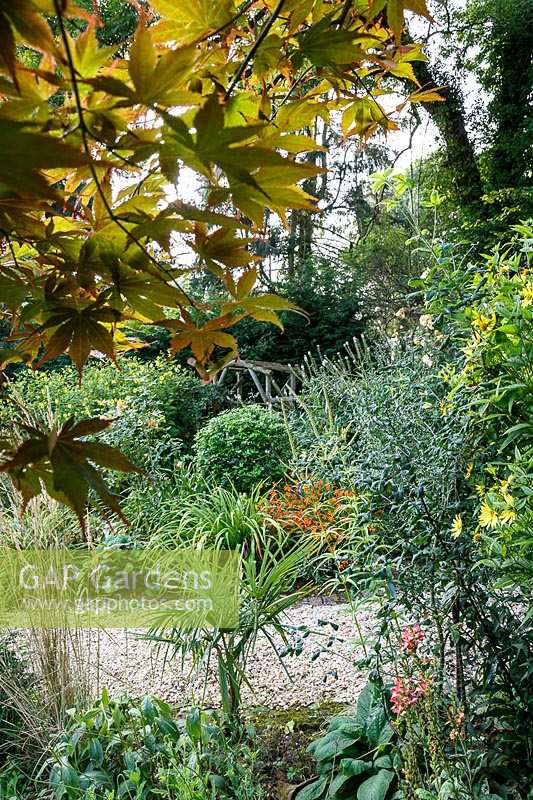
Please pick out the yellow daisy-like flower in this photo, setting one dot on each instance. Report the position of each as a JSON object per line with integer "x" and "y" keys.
{"x": 483, "y": 323}
{"x": 527, "y": 296}
{"x": 488, "y": 518}
{"x": 457, "y": 526}
{"x": 480, "y": 489}
{"x": 508, "y": 516}
{"x": 469, "y": 470}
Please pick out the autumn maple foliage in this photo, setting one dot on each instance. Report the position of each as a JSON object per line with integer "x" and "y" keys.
{"x": 94, "y": 143}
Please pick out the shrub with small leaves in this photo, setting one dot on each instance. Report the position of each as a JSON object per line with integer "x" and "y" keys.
{"x": 243, "y": 447}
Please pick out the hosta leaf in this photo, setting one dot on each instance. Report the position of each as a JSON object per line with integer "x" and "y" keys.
{"x": 313, "y": 791}
{"x": 332, "y": 745}
{"x": 96, "y": 752}
{"x": 354, "y": 766}
{"x": 337, "y": 784}
{"x": 376, "y": 787}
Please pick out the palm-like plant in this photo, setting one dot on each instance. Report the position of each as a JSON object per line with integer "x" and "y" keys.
{"x": 269, "y": 577}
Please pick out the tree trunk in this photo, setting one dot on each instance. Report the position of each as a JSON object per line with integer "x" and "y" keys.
{"x": 449, "y": 117}
{"x": 512, "y": 143}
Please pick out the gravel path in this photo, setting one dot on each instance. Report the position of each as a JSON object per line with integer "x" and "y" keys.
{"x": 121, "y": 661}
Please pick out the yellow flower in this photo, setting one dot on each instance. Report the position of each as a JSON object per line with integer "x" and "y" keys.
{"x": 488, "y": 518}
{"x": 457, "y": 527}
{"x": 469, "y": 470}
{"x": 483, "y": 323}
{"x": 504, "y": 485}
{"x": 508, "y": 516}
{"x": 480, "y": 489}
{"x": 527, "y": 296}
{"x": 476, "y": 536}
{"x": 445, "y": 408}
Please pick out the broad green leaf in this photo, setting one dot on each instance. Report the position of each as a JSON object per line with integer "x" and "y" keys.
{"x": 313, "y": 791}
{"x": 376, "y": 787}
{"x": 354, "y": 766}
{"x": 96, "y": 752}
{"x": 364, "y": 704}
{"x": 332, "y": 745}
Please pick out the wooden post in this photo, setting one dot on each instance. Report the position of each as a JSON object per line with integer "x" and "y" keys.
{"x": 258, "y": 384}
{"x": 268, "y": 387}
{"x": 238, "y": 385}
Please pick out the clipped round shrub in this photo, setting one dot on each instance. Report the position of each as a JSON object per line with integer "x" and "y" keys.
{"x": 242, "y": 447}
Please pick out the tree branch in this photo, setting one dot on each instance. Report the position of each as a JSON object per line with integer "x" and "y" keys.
{"x": 264, "y": 33}
{"x": 85, "y": 133}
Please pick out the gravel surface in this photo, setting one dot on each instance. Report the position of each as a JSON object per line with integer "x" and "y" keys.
{"x": 121, "y": 661}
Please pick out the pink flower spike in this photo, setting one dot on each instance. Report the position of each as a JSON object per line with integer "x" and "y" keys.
{"x": 412, "y": 636}
{"x": 405, "y": 694}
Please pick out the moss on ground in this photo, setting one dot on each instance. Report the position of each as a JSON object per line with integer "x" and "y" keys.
{"x": 282, "y": 737}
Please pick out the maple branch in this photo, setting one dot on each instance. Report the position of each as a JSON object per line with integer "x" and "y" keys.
{"x": 85, "y": 133}
{"x": 233, "y": 19}
{"x": 296, "y": 83}
{"x": 11, "y": 249}
{"x": 344, "y": 13}
{"x": 273, "y": 17}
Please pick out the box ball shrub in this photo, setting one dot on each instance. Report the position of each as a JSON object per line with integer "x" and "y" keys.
{"x": 242, "y": 447}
